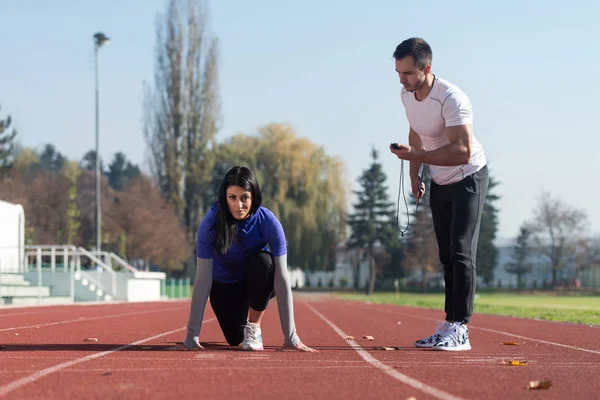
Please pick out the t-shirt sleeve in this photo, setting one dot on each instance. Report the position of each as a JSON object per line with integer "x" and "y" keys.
{"x": 206, "y": 237}
{"x": 457, "y": 110}
{"x": 274, "y": 235}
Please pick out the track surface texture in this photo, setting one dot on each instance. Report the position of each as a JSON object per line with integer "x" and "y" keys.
{"x": 45, "y": 354}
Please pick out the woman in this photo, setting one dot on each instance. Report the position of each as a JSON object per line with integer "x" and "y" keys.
{"x": 235, "y": 268}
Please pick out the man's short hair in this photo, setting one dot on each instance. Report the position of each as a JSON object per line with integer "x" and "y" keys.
{"x": 418, "y": 49}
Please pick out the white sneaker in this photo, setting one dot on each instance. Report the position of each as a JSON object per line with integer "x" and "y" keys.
{"x": 456, "y": 339}
{"x": 252, "y": 337}
{"x": 440, "y": 331}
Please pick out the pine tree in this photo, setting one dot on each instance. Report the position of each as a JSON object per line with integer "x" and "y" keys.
{"x": 421, "y": 245}
{"x": 519, "y": 265}
{"x": 6, "y": 144}
{"x": 487, "y": 252}
{"x": 371, "y": 223}
{"x": 121, "y": 172}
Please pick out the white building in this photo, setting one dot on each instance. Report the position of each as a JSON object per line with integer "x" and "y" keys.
{"x": 12, "y": 236}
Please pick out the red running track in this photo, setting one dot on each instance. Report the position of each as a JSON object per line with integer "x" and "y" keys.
{"x": 44, "y": 355}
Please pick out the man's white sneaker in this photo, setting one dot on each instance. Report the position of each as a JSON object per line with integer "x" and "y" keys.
{"x": 252, "y": 337}
{"x": 456, "y": 339}
{"x": 440, "y": 331}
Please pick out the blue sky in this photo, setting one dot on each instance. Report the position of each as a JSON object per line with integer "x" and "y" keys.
{"x": 529, "y": 67}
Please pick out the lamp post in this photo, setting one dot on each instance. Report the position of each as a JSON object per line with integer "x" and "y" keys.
{"x": 99, "y": 40}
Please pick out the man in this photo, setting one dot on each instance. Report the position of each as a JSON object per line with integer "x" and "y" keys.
{"x": 440, "y": 118}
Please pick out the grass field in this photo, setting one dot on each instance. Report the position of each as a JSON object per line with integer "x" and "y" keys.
{"x": 576, "y": 309}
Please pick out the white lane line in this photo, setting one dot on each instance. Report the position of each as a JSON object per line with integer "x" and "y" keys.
{"x": 539, "y": 340}
{"x": 21, "y": 313}
{"x": 84, "y": 319}
{"x": 439, "y": 394}
{"x": 491, "y": 330}
{"x": 225, "y": 368}
{"x": 19, "y": 383}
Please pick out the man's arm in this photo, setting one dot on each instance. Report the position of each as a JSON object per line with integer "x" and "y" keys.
{"x": 457, "y": 152}
{"x": 414, "y": 140}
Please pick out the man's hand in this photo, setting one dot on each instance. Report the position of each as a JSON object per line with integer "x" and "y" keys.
{"x": 406, "y": 152}
{"x": 299, "y": 346}
{"x": 418, "y": 187}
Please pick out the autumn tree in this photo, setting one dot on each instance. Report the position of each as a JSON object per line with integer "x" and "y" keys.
{"x": 149, "y": 230}
{"x": 303, "y": 186}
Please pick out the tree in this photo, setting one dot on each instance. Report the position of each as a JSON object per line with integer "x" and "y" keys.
{"x": 121, "y": 172}
{"x": 371, "y": 222}
{"x": 519, "y": 264}
{"x": 71, "y": 172}
{"x": 50, "y": 159}
{"x": 182, "y": 109}
{"x": 303, "y": 186}
{"x": 587, "y": 253}
{"x": 6, "y": 144}
{"x": 150, "y": 230}
{"x": 487, "y": 252}
{"x": 88, "y": 162}
{"x": 26, "y": 160}
{"x": 422, "y": 251}
{"x": 557, "y": 227}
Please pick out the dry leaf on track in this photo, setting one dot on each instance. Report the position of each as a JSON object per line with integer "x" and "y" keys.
{"x": 539, "y": 385}
{"x": 368, "y": 337}
{"x": 90, "y": 339}
{"x": 517, "y": 363}
{"x": 349, "y": 337}
{"x": 511, "y": 343}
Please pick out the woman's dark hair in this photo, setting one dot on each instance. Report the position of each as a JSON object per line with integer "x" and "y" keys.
{"x": 225, "y": 226}
{"x": 416, "y": 48}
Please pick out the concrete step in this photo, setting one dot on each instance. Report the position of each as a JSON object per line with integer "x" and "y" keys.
{"x": 13, "y": 279}
{"x": 35, "y": 301}
{"x": 23, "y": 291}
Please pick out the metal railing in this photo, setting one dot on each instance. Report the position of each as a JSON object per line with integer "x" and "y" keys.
{"x": 71, "y": 263}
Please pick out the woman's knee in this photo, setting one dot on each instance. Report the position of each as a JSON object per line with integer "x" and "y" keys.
{"x": 261, "y": 261}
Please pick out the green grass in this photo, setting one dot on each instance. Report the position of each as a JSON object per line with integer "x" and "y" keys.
{"x": 575, "y": 309}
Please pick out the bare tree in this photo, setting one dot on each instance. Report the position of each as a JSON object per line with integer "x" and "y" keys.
{"x": 557, "y": 228}
{"x": 587, "y": 254}
{"x": 182, "y": 109}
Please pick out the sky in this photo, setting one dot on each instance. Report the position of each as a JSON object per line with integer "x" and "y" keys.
{"x": 530, "y": 69}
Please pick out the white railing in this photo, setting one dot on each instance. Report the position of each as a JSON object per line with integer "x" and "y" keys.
{"x": 107, "y": 268}
{"x": 71, "y": 257}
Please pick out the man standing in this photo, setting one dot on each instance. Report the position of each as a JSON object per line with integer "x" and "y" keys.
{"x": 440, "y": 118}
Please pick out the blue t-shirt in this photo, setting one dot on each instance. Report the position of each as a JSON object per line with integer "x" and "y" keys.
{"x": 260, "y": 230}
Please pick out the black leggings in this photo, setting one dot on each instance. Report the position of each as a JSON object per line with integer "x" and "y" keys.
{"x": 230, "y": 301}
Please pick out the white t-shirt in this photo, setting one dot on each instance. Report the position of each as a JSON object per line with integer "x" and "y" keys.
{"x": 446, "y": 105}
